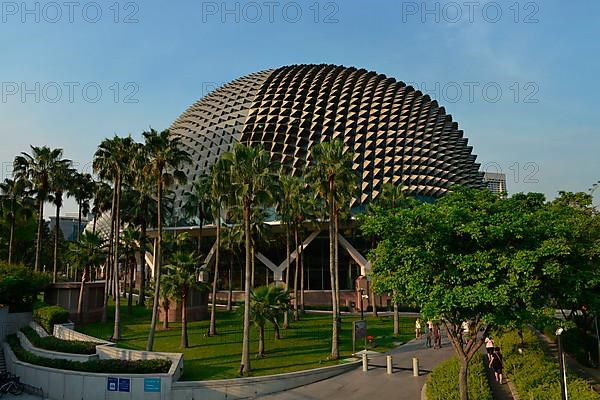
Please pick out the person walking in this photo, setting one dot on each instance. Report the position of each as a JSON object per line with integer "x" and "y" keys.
{"x": 437, "y": 337}
{"x": 497, "y": 364}
{"x": 428, "y": 334}
{"x": 418, "y": 328}
{"x": 489, "y": 348}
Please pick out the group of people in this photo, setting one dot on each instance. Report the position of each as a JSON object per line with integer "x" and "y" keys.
{"x": 495, "y": 360}
{"x": 432, "y": 334}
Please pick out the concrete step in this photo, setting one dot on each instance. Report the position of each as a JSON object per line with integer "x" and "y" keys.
{"x": 2, "y": 362}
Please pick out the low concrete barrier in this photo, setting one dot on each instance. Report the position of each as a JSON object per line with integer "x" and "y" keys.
{"x": 243, "y": 388}
{"x": 66, "y": 332}
{"x": 27, "y": 345}
{"x": 57, "y": 384}
{"x": 36, "y": 327}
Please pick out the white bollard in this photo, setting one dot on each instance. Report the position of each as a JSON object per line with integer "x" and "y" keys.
{"x": 365, "y": 363}
{"x": 390, "y": 367}
{"x": 415, "y": 366}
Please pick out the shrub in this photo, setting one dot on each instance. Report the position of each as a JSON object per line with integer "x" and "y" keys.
{"x": 535, "y": 375}
{"x": 442, "y": 384}
{"x": 93, "y": 366}
{"x": 55, "y": 344}
{"x": 19, "y": 286}
{"x": 48, "y": 316}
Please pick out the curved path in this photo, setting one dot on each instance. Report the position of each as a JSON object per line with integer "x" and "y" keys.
{"x": 376, "y": 383}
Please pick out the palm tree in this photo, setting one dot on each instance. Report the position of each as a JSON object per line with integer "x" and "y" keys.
{"x": 252, "y": 182}
{"x": 83, "y": 190}
{"x": 330, "y": 173}
{"x": 131, "y": 243}
{"x": 267, "y": 304}
{"x": 184, "y": 275}
{"x": 38, "y": 168}
{"x": 14, "y": 196}
{"x": 165, "y": 159}
{"x": 102, "y": 201}
{"x": 232, "y": 239}
{"x": 113, "y": 161}
{"x": 197, "y": 204}
{"x": 61, "y": 182}
{"x": 88, "y": 252}
{"x": 219, "y": 191}
{"x": 286, "y": 193}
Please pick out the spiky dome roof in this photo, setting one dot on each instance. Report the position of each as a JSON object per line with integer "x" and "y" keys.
{"x": 395, "y": 133}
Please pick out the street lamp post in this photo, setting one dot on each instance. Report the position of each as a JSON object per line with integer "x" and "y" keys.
{"x": 362, "y": 313}
{"x": 563, "y": 369}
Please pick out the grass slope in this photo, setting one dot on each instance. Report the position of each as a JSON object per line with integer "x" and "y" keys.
{"x": 306, "y": 344}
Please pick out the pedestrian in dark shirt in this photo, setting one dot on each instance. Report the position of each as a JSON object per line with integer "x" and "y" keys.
{"x": 497, "y": 364}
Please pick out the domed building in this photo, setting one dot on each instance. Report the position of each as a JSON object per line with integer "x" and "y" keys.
{"x": 395, "y": 134}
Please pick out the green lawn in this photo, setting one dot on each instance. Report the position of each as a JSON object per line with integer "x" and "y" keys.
{"x": 305, "y": 345}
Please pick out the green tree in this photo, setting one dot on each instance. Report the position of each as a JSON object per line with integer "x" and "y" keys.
{"x": 285, "y": 194}
{"x": 331, "y": 176}
{"x": 88, "y": 252}
{"x": 38, "y": 168}
{"x": 470, "y": 257}
{"x": 183, "y": 274}
{"x": 113, "y": 162}
{"x": 166, "y": 157}
{"x": 15, "y": 199}
{"x": 131, "y": 244}
{"x": 197, "y": 205}
{"x": 267, "y": 305}
{"x": 252, "y": 182}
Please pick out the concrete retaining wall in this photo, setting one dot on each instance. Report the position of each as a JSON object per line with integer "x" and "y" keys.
{"x": 16, "y": 321}
{"x": 36, "y": 327}
{"x": 3, "y": 323}
{"x": 27, "y": 345}
{"x": 66, "y": 332}
{"x": 244, "y": 388}
{"x": 59, "y": 384}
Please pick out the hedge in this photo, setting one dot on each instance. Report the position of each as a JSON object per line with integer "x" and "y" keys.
{"x": 48, "y": 316}
{"x": 94, "y": 366}
{"x": 535, "y": 375}
{"x": 442, "y": 383}
{"x": 55, "y": 344}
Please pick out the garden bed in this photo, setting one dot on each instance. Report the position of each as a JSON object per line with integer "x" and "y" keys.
{"x": 54, "y": 344}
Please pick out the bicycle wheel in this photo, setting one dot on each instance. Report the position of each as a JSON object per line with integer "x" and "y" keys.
{"x": 16, "y": 389}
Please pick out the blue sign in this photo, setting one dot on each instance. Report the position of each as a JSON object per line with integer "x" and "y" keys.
{"x": 152, "y": 385}
{"x": 124, "y": 384}
{"x": 112, "y": 384}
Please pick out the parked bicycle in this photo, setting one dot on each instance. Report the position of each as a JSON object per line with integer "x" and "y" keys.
{"x": 10, "y": 384}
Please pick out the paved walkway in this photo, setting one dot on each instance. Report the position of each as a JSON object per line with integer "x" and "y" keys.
{"x": 376, "y": 383}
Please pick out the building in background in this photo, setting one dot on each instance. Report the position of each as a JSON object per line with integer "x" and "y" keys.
{"x": 495, "y": 182}
{"x": 68, "y": 225}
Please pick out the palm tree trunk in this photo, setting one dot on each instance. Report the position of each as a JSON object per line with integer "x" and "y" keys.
{"x": 336, "y": 247}
{"x": 373, "y": 300}
{"x": 184, "y": 333}
{"x": 276, "y": 327}
{"x": 56, "y": 229}
{"x": 245, "y": 362}
{"x": 94, "y": 223}
{"x": 79, "y": 221}
{"x": 117, "y": 327}
{"x": 11, "y": 237}
{"x": 157, "y": 258}
{"x": 335, "y": 353}
{"x": 38, "y": 242}
{"x": 81, "y": 294}
{"x": 230, "y": 285}
{"x": 107, "y": 268}
{"x": 166, "y": 307}
{"x": 302, "y": 282}
{"x": 125, "y": 273}
{"x": 142, "y": 296}
{"x": 130, "y": 297}
{"x": 213, "y": 309}
{"x": 252, "y": 258}
{"x": 286, "y": 322}
{"x": 296, "y": 317}
{"x": 261, "y": 341}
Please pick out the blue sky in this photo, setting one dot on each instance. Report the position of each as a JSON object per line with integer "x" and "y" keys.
{"x": 519, "y": 77}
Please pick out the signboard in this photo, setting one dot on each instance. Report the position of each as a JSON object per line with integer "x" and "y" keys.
{"x": 112, "y": 384}
{"x": 124, "y": 384}
{"x": 152, "y": 385}
{"x": 359, "y": 332}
